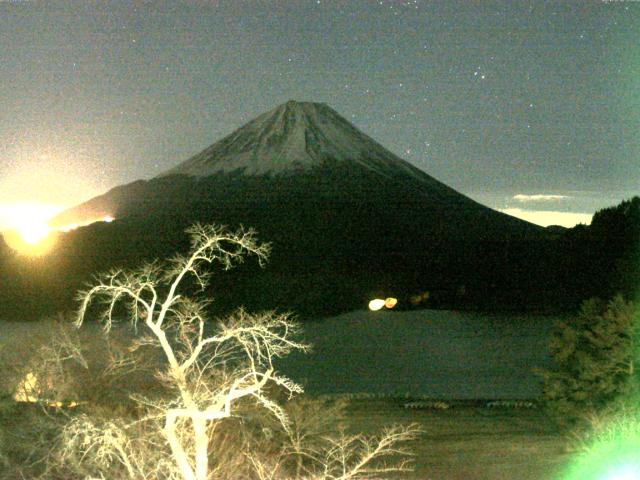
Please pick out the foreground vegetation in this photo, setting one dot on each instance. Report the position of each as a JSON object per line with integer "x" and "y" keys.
{"x": 458, "y": 443}
{"x": 185, "y": 400}
{"x": 593, "y": 392}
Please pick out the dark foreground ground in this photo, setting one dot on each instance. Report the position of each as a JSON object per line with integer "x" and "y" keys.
{"x": 468, "y": 442}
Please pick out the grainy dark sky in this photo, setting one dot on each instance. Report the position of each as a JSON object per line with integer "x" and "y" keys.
{"x": 496, "y": 99}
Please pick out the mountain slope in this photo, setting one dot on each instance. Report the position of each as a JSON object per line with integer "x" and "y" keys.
{"x": 309, "y": 150}
{"x": 347, "y": 219}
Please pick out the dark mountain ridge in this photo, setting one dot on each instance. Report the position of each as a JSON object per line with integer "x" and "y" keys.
{"x": 304, "y": 152}
{"x": 347, "y": 218}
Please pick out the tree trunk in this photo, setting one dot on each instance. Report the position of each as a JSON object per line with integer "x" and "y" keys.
{"x": 176, "y": 449}
{"x": 202, "y": 448}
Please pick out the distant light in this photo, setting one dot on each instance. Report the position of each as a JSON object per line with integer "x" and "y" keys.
{"x": 25, "y": 227}
{"x": 417, "y": 299}
{"x": 73, "y": 226}
{"x": 29, "y": 391}
{"x": 31, "y": 240}
{"x": 376, "y": 304}
{"x": 69, "y": 227}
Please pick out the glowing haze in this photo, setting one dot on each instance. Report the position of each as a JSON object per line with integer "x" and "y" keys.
{"x": 25, "y": 228}
{"x": 28, "y": 219}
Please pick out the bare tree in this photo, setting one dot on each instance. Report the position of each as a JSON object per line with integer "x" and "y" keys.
{"x": 240, "y": 353}
{"x": 209, "y": 373}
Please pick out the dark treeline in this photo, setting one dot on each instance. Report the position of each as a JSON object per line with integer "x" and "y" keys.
{"x": 334, "y": 254}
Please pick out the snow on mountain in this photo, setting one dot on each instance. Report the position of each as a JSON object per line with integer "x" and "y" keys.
{"x": 292, "y": 137}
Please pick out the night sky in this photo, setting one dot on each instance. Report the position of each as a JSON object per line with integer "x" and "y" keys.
{"x": 519, "y": 105}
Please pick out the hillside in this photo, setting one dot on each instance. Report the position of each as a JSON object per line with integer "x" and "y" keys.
{"x": 348, "y": 220}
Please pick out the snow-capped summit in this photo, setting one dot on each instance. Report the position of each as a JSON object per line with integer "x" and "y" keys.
{"x": 292, "y": 137}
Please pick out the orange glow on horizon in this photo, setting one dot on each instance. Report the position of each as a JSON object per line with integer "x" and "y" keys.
{"x": 30, "y": 245}
{"x": 33, "y": 233}
{"x": 25, "y": 226}
{"x": 73, "y": 226}
{"x": 27, "y": 231}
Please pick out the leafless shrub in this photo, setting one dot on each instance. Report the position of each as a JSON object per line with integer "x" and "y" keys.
{"x": 348, "y": 457}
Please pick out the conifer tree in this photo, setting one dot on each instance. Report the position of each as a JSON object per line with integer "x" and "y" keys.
{"x": 596, "y": 359}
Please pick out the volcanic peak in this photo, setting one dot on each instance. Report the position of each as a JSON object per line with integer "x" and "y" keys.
{"x": 293, "y": 136}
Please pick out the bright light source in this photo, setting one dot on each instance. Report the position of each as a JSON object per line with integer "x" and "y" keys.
{"x": 624, "y": 472}
{"x": 32, "y": 233}
{"x": 390, "y": 302}
{"x": 68, "y": 228}
{"x": 73, "y": 226}
{"x": 612, "y": 455}
{"x": 29, "y": 391}
{"x": 31, "y": 242}
{"x": 376, "y": 304}
{"x": 25, "y": 226}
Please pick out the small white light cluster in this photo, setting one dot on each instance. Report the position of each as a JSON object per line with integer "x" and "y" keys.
{"x": 378, "y": 303}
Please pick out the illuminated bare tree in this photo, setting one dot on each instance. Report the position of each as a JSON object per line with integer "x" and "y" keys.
{"x": 207, "y": 373}
{"x": 210, "y": 373}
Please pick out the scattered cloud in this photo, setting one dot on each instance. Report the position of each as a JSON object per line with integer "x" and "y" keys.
{"x": 521, "y": 197}
{"x": 545, "y": 218}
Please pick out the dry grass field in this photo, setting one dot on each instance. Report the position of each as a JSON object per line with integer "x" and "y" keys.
{"x": 466, "y": 442}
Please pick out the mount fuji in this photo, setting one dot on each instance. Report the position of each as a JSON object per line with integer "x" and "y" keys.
{"x": 347, "y": 218}
{"x": 295, "y": 142}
